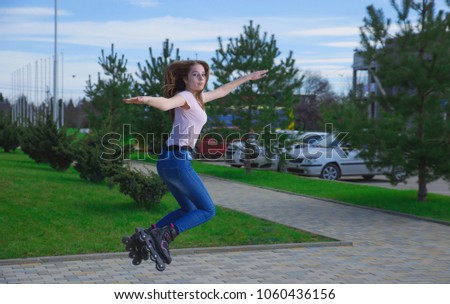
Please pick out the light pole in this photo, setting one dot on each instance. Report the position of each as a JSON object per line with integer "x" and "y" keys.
{"x": 55, "y": 71}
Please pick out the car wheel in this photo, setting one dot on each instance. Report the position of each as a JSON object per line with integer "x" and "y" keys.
{"x": 330, "y": 172}
{"x": 398, "y": 174}
{"x": 236, "y": 166}
{"x": 368, "y": 177}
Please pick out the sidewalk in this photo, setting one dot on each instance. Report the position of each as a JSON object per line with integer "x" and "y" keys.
{"x": 386, "y": 249}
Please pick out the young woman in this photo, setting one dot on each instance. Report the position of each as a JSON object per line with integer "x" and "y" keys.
{"x": 185, "y": 100}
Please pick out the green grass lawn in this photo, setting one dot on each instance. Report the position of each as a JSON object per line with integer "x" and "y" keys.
{"x": 45, "y": 213}
{"x": 404, "y": 201}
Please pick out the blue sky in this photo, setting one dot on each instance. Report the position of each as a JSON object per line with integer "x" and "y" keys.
{"x": 322, "y": 34}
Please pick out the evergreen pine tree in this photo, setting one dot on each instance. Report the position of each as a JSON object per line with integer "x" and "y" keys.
{"x": 9, "y": 134}
{"x": 148, "y": 122}
{"x": 107, "y": 111}
{"x": 99, "y": 156}
{"x": 261, "y": 105}
{"x": 413, "y": 69}
{"x": 45, "y": 143}
{"x": 255, "y": 104}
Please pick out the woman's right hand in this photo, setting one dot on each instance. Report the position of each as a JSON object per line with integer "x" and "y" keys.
{"x": 135, "y": 100}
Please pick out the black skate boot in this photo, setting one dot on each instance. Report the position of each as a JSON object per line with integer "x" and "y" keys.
{"x": 162, "y": 237}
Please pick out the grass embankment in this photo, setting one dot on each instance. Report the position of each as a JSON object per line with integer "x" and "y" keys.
{"x": 45, "y": 213}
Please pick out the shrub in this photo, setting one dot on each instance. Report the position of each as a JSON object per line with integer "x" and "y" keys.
{"x": 146, "y": 189}
{"x": 9, "y": 134}
{"x": 45, "y": 143}
{"x": 32, "y": 143}
{"x": 97, "y": 157}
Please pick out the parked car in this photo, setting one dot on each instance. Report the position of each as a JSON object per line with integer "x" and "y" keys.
{"x": 213, "y": 142}
{"x": 235, "y": 154}
{"x": 331, "y": 159}
{"x": 305, "y": 139}
{"x": 259, "y": 157}
{"x": 211, "y": 147}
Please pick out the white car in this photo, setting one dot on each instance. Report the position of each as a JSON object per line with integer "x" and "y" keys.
{"x": 330, "y": 159}
{"x": 304, "y": 140}
{"x": 235, "y": 155}
{"x": 259, "y": 158}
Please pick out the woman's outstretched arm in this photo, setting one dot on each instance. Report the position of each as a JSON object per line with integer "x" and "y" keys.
{"x": 161, "y": 103}
{"x": 228, "y": 87}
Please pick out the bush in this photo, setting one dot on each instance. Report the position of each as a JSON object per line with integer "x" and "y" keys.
{"x": 98, "y": 157}
{"x": 9, "y": 134}
{"x": 146, "y": 189}
{"x": 45, "y": 143}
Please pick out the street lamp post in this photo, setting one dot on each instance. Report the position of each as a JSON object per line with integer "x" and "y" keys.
{"x": 55, "y": 71}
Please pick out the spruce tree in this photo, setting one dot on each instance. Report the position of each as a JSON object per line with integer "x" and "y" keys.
{"x": 413, "y": 70}
{"x": 45, "y": 143}
{"x": 99, "y": 156}
{"x": 149, "y": 124}
{"x": 261, "y": 105}
{"x": 107, "y": 112}
{"x": 9, "y": 134}
{"x": 255, "y": 104}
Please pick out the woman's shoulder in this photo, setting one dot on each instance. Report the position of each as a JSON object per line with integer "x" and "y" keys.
{"x": 188, "y": 96}
{"x": 185, "y": 93}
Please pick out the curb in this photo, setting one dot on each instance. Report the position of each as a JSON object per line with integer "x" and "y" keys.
{"x": 181, "y": 251}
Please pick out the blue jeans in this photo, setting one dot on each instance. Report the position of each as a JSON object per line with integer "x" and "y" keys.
{"x": 196, "y": 205}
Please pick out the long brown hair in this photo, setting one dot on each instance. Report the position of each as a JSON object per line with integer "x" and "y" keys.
{"x": 174, "y": 80}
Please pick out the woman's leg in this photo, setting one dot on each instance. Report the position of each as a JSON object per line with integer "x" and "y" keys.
{"x": 201, "y": 206}
{"x": 186, "y": 186}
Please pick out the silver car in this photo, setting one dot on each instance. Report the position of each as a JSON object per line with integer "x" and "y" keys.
{"x": 235, "y": 155}
{"x": 259, "y": 158}
{"x": 330, "y": 159}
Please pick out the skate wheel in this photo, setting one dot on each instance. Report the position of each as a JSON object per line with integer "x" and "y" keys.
{"x": 129, "y": 247}
{"x": 160, "y": 267}
{"x": 145, "y": 255}
{"x": 136, "y": 261}
{"x": 132, "y": 254}
{"x": 149, "y": 254}
{"x": 125, "y": 240}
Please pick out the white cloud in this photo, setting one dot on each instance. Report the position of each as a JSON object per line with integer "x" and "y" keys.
{"x": 326, "y": 31}
{"x": 144, "y": 3}
{"x": 342, "y": 44}
{"x": 19, "y": 59}
{"x": 324, "y": 60}
{"x": 132, "y": 34}
{"x": 198, "y": 46}
{"x": 31, "y": 11}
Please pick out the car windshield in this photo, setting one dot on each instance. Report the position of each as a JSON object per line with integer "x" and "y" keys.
{"x": 311, "y": 139}
{"x": 330, "y": 141}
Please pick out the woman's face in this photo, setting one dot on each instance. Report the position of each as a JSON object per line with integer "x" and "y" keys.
{"x": 196, "y": 78}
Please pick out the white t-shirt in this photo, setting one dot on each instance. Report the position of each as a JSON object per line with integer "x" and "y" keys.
{"x": 188, "y": 123}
